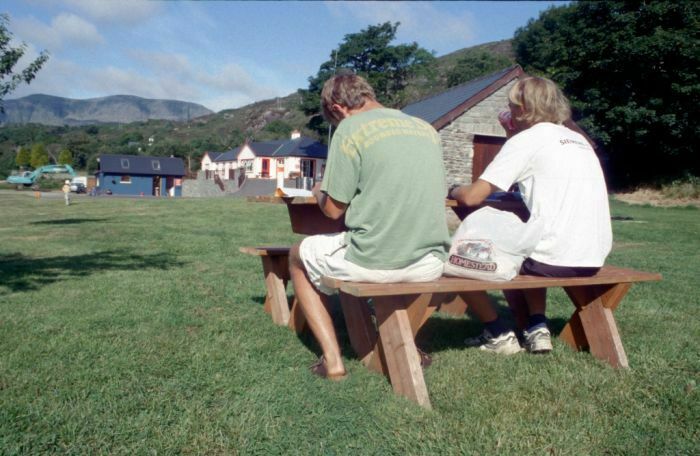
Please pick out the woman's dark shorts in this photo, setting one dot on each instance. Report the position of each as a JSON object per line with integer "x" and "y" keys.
{"x": 535, "y": 268}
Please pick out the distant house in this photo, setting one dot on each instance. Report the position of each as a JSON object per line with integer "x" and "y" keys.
{"x": 298, "y": 156}
{"x": 466, "y": 116}
{"x": 140, "y": 175}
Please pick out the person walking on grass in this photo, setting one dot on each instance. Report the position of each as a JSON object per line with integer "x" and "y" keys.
{"x": 385, "y": 173}
{"x": 562, "y": 184}
{"x": 66, "y": 192}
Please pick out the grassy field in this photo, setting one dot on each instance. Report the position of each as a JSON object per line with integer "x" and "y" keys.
{"x": 134, "y": 326}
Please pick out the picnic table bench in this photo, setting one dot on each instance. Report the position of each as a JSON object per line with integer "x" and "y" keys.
{"x": 402, "y": 308}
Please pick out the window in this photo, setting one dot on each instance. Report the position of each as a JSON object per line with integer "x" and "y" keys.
{"x": 307, "y": 168}
{"x": 247, "y": 164}
{"x": 125, "y": 179}
{"x": 155, "y": 164}
{"x": 280, "y": 161}
{"x": 125, "y": 163}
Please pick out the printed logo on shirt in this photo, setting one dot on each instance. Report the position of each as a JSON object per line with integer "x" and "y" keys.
{"x": 566, "y": 141}
{"x": 371, "y": 132}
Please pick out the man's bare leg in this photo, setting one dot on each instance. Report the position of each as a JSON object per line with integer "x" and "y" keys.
{"x": 317, "y": 315}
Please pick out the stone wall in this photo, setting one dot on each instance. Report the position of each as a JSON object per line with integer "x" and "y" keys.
{"x": 458, "y": 136}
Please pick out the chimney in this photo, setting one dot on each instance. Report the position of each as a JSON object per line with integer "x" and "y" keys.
{"x": 296, "y": 134}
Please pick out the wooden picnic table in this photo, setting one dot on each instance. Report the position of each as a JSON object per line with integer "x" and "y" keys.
{"x": 306, "y": 217}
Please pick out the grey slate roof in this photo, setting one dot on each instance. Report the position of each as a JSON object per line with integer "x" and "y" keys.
{"x": 141, "y": 164}
{"x": 434, "y": 108}
{"x": 299, "y": 147}
{"x": 229, "y": 155}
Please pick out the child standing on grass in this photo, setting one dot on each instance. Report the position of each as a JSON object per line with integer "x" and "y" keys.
{"x": 66, "y": 192}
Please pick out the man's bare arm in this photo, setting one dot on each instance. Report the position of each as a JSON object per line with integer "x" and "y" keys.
{"x": 474, "y": 194}
{"x": 331, "y": 208}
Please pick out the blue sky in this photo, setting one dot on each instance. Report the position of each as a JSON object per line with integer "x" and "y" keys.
{"x": 227, "y": 54}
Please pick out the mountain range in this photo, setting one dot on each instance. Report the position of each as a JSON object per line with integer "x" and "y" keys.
{"x": 52, "y": 110}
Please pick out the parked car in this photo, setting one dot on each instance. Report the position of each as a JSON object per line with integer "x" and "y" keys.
{"x": 78, "y": 187}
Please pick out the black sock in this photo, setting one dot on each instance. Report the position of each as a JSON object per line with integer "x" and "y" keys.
{"x": 496, "y": 327}
{"x": 536, "y": 320}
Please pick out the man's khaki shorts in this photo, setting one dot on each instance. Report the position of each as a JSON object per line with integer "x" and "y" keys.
{"x": 324, "y": 255}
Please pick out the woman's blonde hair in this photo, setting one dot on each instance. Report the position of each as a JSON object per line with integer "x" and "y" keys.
{"x": 348, "y": 90}
{"x": 540, "y": 100}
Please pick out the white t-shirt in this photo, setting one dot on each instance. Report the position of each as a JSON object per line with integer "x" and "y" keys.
{"x": 562, "y": 184}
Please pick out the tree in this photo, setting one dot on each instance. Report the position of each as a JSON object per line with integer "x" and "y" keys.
{"x": 631, "y": 72}
{"x": 474, "y": 64}
{"x": 279, "y": 129}
{"x": 23, "y": 158}
{"x": 65, "y": 157}
{"x": 39, "y": 156}
{"x": 386, "y": 67}
{"x": 9, "y": 56}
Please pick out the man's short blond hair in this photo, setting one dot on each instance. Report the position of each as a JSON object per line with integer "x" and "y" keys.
{"x": 540, "y": 100}
{"x": 348, "y": 90}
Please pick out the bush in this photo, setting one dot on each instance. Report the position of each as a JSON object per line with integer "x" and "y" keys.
{"x": 685, "y": 187}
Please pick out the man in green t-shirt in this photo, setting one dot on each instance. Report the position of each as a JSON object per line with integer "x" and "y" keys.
{"x": 385, "y": 173}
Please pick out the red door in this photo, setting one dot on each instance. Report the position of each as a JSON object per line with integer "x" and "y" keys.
{"x": 485, "y": 149}
{"x": 265, "y": 167}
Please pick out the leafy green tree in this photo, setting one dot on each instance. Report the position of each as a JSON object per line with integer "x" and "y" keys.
{"x": 39, "y": 156}
{"x": 65, "y": 157}
{"x": 279, "y": 129}
{"x": 23, "y": 158}
{"x": 631, "y": 70}
{"x": 474, "y": 64}
{"x": 388, "y": 68}
{"x": 9, "y": 56}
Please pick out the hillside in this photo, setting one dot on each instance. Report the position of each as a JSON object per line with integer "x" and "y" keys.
{"x": 261, "y": 121}
{"x": 51, "y": 110}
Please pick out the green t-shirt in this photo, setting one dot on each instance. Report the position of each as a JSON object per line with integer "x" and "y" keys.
{"x": 388, "y": 167}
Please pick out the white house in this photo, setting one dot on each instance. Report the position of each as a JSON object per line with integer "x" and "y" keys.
{"x": 298, "y": 156}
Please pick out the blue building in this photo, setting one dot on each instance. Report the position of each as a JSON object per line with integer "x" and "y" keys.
{"x": 140, "y": 175}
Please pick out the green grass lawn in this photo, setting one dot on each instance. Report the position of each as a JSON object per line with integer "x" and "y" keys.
{"x": 134, "y": 326}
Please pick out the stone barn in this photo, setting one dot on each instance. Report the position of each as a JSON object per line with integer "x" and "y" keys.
{"x": 466, "y": 116}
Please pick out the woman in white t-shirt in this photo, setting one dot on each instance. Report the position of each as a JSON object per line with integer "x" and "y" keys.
{"x": 562, "y": 185}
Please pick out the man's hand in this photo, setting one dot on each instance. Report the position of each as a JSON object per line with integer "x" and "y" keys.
{"x": 330, "y": 207}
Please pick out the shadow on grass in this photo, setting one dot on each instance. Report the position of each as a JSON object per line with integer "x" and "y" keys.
{"x": 22, "y": 273}
{"x": 70, "y": 221}
{"x": 440, "y": 332}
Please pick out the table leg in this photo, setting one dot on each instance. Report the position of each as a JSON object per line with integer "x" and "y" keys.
{"x": 454, "y": 304}
{"x": 361, "y": 330}
{"x": 593, "y": 325}
{"x": 297, "y": 320}
{"x": 276, "y": 270}
{"x": 398, "y": 345}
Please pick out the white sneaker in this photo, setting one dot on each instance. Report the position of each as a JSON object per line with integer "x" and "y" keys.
{"x": 505, "y": 344}
{"x": 539, "y": 340}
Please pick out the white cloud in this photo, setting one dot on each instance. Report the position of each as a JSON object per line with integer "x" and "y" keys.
{"x": 217, "y": 89}
{"x": 65, "y": 29}
{"x": 117, "y": 11}
{"x": 420, "y": 22}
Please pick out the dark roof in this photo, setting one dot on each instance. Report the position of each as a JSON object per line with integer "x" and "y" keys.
{"x": 229, "y": 155}
{"x": 298, "y": 147}
{"x": 441, "y": 109}
{"x": 213, "y": 155}
{"x": 301, "y": 147}
{"x": 141, "y": 164}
